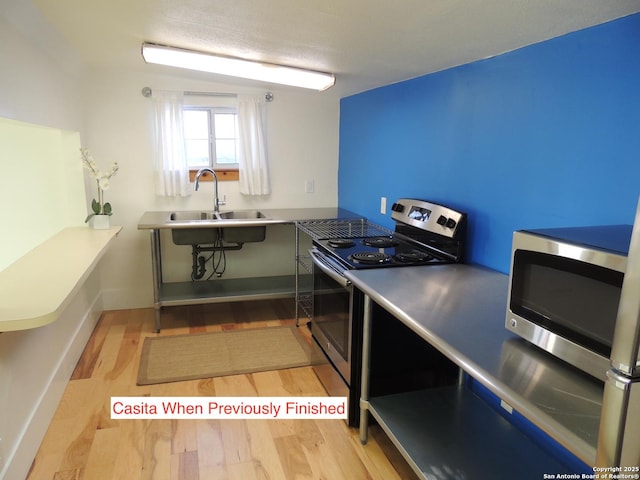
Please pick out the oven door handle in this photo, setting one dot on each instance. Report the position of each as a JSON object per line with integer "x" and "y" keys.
{"x": 322, "y": 263}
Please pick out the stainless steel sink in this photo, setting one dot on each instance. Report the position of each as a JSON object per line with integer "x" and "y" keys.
{"x": 195, "y": 236}
{"x": 190, "y": 216}
{"x": 241, "y": 215}
{"x": 237, "y": 233}
{"x": 195, "y": 216}
{"x": 242, "y": 234}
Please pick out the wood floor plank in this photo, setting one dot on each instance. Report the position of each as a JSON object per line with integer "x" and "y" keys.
{"x": 124, "y": 361}
{"x": 76, "y": 431}
{"x": 101, "y": 461}
{"x": 321, "y": 458}
{"x": 184, "y": 466}
{"x": 246, "y": 471}
{"x": 292, "y": 458}
{"x": 301, "y": 382}
{"x": 342, "y": 450}
{"x": 235, "y": 442}
{"x": 183, "y": 436}
{"x": 130, "y": 459}
{"x": 67, "y": 443}
{"x": 264, "y": 452}
{"x": 91, "y": 353}
{"x": 84, "y": 443}
{"x": 109, "y": 353}
{"x": 74, "y": 474}
{"x": 156, "y": 451}
{"x": 307, "y": 433}
{"x": 211, "y": 460}
{"x": 206, "y": 387}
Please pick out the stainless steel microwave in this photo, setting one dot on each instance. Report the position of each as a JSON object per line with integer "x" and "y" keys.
{"x": 565, "y": 286}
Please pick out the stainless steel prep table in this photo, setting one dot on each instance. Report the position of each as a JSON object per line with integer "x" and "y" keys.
{"x": 190, "y": 293}
{"x": 460, "y": 310}
{"x": 159, "y": 219}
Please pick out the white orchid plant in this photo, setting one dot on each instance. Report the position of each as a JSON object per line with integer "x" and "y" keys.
{"x": 99, "y": 206}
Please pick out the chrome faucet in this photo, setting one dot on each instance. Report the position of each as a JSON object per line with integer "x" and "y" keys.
{"x": 216, "y": 200}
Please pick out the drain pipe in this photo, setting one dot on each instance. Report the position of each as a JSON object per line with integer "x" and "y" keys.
{"x": 198, "y": 268}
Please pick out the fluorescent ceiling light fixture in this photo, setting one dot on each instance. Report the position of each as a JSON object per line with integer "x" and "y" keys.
{"x": 236, "y": 67}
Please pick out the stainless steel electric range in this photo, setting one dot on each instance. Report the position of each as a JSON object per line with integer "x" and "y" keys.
{"x": 425, "y": 234}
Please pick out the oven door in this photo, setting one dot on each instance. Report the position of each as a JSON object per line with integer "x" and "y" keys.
{"x": 330, "y": 323}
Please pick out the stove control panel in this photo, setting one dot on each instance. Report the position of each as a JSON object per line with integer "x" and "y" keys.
{"x": 427, "y": 216}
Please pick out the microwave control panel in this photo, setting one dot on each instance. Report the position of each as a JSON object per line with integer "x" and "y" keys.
{"x": 428, "y": 216}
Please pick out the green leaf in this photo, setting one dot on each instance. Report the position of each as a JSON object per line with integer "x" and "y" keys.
{"x": 86, "y": 220}
{"x": 95, "y": 206}
{"x": 107, "y": 208}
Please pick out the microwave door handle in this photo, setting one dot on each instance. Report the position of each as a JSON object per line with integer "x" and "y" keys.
{"x": 328, "y": 270}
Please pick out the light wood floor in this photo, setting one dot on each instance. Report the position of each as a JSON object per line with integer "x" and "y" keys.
{"x": 82, "y": 441}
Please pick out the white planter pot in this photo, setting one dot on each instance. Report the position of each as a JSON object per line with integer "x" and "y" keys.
{"x": 100, "y": 222}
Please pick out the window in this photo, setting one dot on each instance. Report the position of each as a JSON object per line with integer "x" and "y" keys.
{"x": 211, "y": 137}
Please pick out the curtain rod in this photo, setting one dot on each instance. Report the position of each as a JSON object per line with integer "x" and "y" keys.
{"x": 147, "y": 92}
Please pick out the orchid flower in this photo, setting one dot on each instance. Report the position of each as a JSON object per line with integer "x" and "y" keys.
{"x": 99, "y": 207}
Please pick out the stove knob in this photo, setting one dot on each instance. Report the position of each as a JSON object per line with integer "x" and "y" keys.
{"x": 451, "y": 223}
{"x": 442, "y": 220}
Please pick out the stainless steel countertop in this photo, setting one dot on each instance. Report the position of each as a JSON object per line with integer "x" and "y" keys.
{"x": 460, "y": 310}
{"x": 160, "y": 220}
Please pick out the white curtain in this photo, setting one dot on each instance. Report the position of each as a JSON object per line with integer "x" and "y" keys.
{"x": 252, "y": 152}
{"x": 170, "y": 161}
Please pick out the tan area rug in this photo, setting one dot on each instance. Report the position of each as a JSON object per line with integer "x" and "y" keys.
{"x": 231, "y": 352}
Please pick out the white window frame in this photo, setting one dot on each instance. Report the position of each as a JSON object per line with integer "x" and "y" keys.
{"x": 212, "y": 110}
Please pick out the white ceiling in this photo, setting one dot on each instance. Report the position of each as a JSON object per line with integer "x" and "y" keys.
{"x": 366, "y": 43}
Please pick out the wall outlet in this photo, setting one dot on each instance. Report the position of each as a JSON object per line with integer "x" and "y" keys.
{"x": 309, "y": 186}
{"x": 383, "y": 205}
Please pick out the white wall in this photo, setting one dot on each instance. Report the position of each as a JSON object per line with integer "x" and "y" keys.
{"x": 35, "y": 365}
{"x": 41, "y": 187}
{"x": 40, "y": 78}
{"x": 302, "y": 143}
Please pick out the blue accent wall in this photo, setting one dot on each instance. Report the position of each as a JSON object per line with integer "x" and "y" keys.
{"x": 547, "y": 135}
